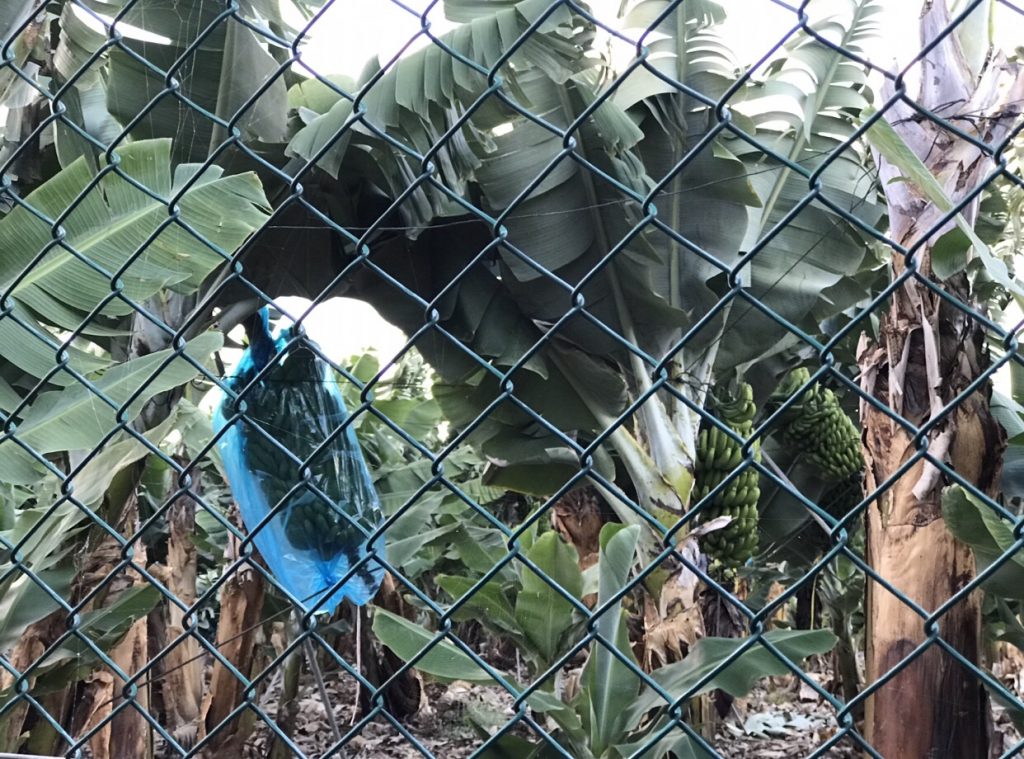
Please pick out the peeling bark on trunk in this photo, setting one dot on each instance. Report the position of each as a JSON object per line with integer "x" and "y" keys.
{"x": 126, "y": 734}
{"x": 42, "y": 737}
{"x": 30, "y": 646}
{"x": 402, "y": 698}
{"x": 238, "y": 628}
{"x": 129, "y": 729}
{"x": 287, "y": 705}
{"x": 577, "y": 517}
{"x": 181, "y": 678}
{"x": 929, "y": 352}
{"x": 844, "y": 665}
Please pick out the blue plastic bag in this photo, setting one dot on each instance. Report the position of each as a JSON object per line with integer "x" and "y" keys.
{"x": 323, "y": 512}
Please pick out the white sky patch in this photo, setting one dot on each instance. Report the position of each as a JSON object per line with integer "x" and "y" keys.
{"x": 345, "y": 327}
{"x": 351, "y": 32}
{"x": 101, "y": 24}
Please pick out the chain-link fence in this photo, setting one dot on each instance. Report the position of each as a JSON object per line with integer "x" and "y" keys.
{"x": 689, "y": 447}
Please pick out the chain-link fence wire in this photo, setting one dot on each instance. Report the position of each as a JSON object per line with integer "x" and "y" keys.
{"x": 57, "y": 57}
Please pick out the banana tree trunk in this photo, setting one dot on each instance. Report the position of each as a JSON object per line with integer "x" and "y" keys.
{"x": 32, "y": 644}
{"x": 929, "y": 352}
{"x": 121, "y": 733}
{"x": 181, "y": 670}
{"x": 238, "y": 629}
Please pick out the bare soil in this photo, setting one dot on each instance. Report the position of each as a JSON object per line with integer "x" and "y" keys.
{"x": 783, "y": 718}
{"x": 784, "y": 722}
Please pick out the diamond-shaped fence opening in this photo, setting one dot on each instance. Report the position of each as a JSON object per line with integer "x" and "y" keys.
{"x": 701, "y": 438}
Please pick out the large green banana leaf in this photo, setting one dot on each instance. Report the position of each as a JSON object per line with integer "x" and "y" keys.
{"x": 424, "y": 96}
{"x": 78, "y": 417}
{"x": 804, "y": 111}
{"x": 67, "y": 283}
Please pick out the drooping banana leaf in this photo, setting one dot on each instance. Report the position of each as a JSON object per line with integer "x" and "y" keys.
{"x": 803, "y": 112}
{"x": 227, "y": 67}
{"x": 701, "y": 205}
{"x": 78, "y": 417}
{"x": 421, "y": 97}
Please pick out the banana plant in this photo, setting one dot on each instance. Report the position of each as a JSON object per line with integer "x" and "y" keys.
{"x": 601, "y": 260}
{"x": 991, "y": 536}
{"x": 592, "y": 276}
{"x": 614, "y": 710}
{"x": 598, "y": 261}
{"x": 112, "y": 59}
{"x": 434, "y": 529}
{"x": 64, "y": 301}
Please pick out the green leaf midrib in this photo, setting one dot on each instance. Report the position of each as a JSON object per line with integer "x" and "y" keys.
{"x": 46, "y": 268}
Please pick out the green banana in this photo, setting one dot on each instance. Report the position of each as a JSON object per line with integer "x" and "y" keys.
{"x": 819, "y": 429}
{"x": 717, "y": 457}
{"x": 311, "y": 522}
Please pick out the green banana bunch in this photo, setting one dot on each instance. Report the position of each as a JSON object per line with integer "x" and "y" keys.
{"x": 291, "y": 394}
{"x": 717, "y": 456}
{"x": 818, "y": 427}
{"x": 311, "y": 525}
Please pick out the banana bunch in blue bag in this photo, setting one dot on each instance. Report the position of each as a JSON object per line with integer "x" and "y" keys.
{"x": 301, "y": 483}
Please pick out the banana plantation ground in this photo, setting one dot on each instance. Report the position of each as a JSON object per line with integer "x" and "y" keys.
{"x": 780, "y": 720}
{"x": 772, "y": 724}
{"x": 699, "y": 432}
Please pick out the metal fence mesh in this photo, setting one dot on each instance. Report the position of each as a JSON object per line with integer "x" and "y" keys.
{"x": 325, "y": 236}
